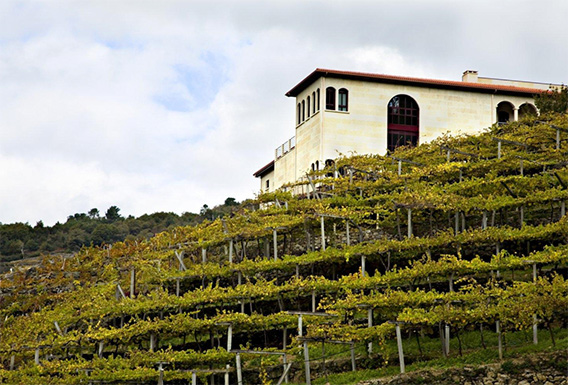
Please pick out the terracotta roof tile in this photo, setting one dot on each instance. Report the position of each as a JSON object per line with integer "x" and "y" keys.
{"x": 421, "y": 82}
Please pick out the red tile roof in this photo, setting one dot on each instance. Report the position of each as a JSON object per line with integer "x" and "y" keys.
{"x": 264, "y": 170}
{"x": 419, "y": 82}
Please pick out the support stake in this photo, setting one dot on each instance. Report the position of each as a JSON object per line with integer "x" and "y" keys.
{"x": 400, "y": 351}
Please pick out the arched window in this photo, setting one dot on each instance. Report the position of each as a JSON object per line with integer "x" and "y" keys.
{"x": 308, "y": 103}
{"x": 314, "y": 99}
{"x": 403, "y": 122}
{"x": 527, "y": 109}
{"x": 505, "y": 112}
{"x": 299, "y": 113}
{"x": 330, "y": 166}
{"x": 330, "y": 98}
{"x": 342, "y": 102}
{"x": 303, "y": 110}
{"x": 318, "y": 97}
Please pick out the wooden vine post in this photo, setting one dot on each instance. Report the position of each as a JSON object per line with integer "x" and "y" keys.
{"x": 535, "y": 320}
{"x": 305, "y": 341}
{"x": 239, "y": 369}
{"x": 132, "y": 282}
{"x": 322, "y": 233}
{"x": 275, "y": 243}
{"x": 399, "y": 346}
{"x": 499, "y": 338}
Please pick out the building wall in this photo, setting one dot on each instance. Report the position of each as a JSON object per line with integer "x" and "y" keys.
{"x": 270, "y": 178}
{"x": 363, "y": 129}
{"x": 285, "y": 169}
{"x": 309, "y": 132}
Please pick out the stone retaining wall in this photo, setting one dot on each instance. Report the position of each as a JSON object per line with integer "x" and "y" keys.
{"x": 542, "y": 369}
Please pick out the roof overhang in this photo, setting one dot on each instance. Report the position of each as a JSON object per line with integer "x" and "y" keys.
{"x": 264, "y": 170}
{"x": 417, "y": 82}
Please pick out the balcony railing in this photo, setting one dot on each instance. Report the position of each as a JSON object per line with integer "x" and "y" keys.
{"x": 285, "y": 147}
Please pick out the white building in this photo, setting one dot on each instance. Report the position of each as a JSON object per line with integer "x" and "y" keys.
{"x": 339, "y": 112}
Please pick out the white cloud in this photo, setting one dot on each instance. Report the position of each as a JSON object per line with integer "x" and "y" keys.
{"x": 165, "y": 106}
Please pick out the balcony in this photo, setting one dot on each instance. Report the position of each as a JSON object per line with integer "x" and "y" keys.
{"x": 285, "y": 148}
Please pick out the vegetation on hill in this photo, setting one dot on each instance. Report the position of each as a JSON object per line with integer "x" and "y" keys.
{"x": 21, "y": 240}
{"x": 452, "y": 252}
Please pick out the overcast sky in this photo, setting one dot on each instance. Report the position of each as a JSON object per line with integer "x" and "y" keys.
{"x": 169, "y": 105}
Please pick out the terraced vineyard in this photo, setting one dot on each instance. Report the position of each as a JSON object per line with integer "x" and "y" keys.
{"x": 451, "y": 248}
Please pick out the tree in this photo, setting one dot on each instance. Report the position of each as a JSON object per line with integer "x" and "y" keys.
{"x": 112, "y": 214}
{"x": 231, "y": 202}
{"x": 552, "y": 101}
{"x": 94, "y": 213}
{"x": 204, "y": 210}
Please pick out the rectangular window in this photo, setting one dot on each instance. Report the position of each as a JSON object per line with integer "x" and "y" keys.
{"x": 267, "y": 184}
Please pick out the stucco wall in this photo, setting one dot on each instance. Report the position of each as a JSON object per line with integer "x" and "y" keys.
{"x": 308, "y": 133}
{"x": 285, "y": 169}
{"x": 363, "y": 129}
{"x": 264, "y": 178}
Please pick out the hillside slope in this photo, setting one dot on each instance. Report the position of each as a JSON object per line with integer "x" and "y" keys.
{"x": 456, "y": 249}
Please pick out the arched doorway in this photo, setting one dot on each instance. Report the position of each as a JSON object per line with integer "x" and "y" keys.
{"x": 527, "y": 109}
{"x": 505, "y": 112}
{"x": 403, "y": 122}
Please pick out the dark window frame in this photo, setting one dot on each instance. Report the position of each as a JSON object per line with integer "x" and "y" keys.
{"x": 403, "y": 122}
{"x": 343, "y": 100}
{"x": 314, "y": 102}
{"x": 330, "y": 98}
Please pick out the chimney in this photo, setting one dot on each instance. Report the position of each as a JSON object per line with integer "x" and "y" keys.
{"x": 469, "y": 76}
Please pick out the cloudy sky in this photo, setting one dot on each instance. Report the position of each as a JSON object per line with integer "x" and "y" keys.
{"x": 169, "y": 105}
